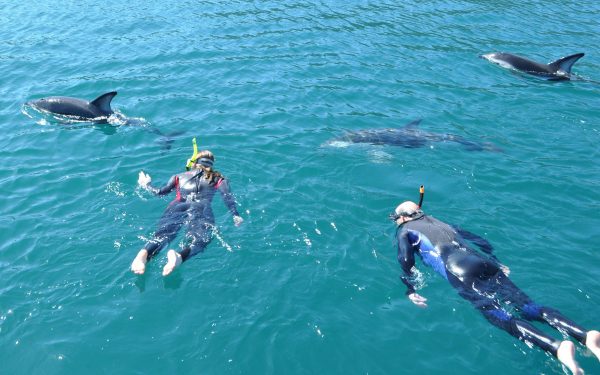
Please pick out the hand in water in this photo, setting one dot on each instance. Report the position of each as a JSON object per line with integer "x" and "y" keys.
{"x": 418, "y": 300}
{"x": 237, "y": 220}
{"x": 144, "y": 179}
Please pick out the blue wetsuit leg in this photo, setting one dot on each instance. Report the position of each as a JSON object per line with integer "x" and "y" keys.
{"x": 519, "y": 328}
{"x": 529, "y": 310}
{"x": 168, "y": 226}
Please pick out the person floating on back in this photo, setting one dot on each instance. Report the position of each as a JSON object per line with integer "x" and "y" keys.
{"x": 482, "y": 280}
{"x": 195, "y": 190}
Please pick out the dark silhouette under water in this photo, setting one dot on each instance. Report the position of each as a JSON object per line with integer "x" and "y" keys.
{"x": 409, "y": 136}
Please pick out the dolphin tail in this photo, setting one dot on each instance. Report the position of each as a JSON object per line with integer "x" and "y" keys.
{"x": 565, "y": 63}
{"x": 474, "y": 146}
{"x": 103, "y": 101}
{"x": 167, "y": 139}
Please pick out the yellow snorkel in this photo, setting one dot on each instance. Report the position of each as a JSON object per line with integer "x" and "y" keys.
{"x": 192, "y": 160}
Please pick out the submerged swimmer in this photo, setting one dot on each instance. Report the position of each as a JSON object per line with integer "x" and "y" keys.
{"x": 482, "y": 280}
{"x": 195, "y": 190}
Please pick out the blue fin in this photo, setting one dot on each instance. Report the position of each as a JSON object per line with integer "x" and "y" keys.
{"x": 103, "y": 101}
{"x": 565, "y": 63}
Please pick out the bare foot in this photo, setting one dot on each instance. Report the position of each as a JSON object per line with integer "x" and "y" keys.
{"x": 566, "y": 354}
{"x": 173, "y": 260}
{"x": 138, "y": 266}
{"x": 592, "y": 341}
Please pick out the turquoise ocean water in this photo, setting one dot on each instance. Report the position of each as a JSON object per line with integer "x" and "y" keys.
{"x": 309, "y": 284}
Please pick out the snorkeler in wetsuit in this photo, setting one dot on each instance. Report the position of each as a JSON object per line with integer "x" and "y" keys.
{"x": 195, "y": 190}
{"x": 482, "y": 280}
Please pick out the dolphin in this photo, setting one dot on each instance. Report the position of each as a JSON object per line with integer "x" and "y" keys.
{"x": 96, "y": 110}
{"x": 559, "y": 70}
{"x": 408, "y": 136}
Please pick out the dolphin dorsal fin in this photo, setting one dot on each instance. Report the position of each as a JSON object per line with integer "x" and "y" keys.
{"x": 413, "y": 124}
{"x": 103, "y": 101}
{"x": 565, "y": 63}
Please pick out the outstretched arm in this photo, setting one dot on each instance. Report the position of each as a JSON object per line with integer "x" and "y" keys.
{"x": 406, "y": 258}
{"x": 229, "y": 199}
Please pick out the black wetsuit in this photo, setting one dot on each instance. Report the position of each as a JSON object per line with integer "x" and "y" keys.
{"x": 478, "y": 278}
{"x": 192, "y": 206}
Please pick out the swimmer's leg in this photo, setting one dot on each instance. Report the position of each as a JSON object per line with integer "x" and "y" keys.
{"x": 591, "y": 339}
{"x": 555, "y": 319}
{"x": 200, "y": 234}
{"x": 501, "y": 288}
{"x": 523, "y": 330}
{"x": 168, "y": 226}
{"x": 510, "y": 293}
{"x": 520, "y": 329}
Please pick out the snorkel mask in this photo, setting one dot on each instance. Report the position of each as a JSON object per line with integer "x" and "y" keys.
{"x": 192, "y": 160}
{"x": 395, "y": 216}
{"x": 205, "y": 162}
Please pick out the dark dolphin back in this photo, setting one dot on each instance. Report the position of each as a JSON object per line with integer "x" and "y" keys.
{"x": 103, "y": 102}
{"x": 524, "y": 64}
{"x": 63, "y": 105}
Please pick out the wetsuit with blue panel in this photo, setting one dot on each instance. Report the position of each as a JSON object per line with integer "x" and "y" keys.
{"x": 192, "y": 206}
{"x": 478, "y": 277}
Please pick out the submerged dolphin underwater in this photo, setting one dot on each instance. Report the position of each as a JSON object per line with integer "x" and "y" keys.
{"x": 559, "y": 70}
{"x": 408, "y": 136}
{"x": 97, "y": 110}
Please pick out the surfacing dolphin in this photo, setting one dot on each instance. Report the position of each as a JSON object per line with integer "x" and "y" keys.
{"x": 97, "y": 110}
{"x": 408, "y": 136}
{"x": 559, "y": 70}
